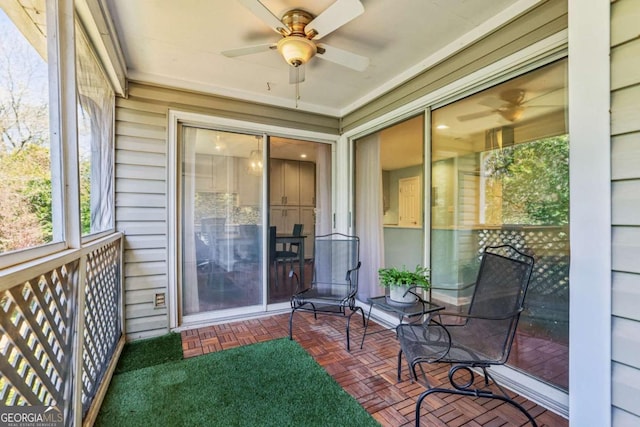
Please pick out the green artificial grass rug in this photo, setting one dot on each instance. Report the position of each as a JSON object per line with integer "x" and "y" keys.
{"x": 149, "y": 352}
{"x": 275, "y": 383}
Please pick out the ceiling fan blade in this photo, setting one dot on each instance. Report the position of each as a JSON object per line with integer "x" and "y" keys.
{"x": 248, "y": 50}
{"x": 343, "y": 57}
{"x": 334, "y": 17}
{"x": 296, "y": 74}
{"x": 265, "y": 14}
{"x": 473, "y": 116}
{"x": 494, "y": 103}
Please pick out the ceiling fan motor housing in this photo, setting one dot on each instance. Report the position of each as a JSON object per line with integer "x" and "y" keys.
{"x": 297, "y": 48}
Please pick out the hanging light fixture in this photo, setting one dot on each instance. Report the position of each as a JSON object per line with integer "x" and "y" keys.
{"x": 255, "y": 160}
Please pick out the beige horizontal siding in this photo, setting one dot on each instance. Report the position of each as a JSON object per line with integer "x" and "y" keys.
{"x": 148, "y": 186}
{"x": 135, "y": 200}
{"x": 139, "y": 171}
{"x": 142, "y": 228}
{"x": 626, "y": 295}
{"x": 147, "y": 283}
{"x": 232, "y": 108}
{"x": 147, "y": 268}
{"x": 625, "y": 156}
{"x": 141, "y": 147}
{"x": 141, "y": 214}
{"x": 626, "y": 250}
{"x": 625, "y": 209}
{"x": 625, "y": 342}
{"x": 145, "y": 255}
{"x": 138, "y": 158}
{"x": 146, "y": 327}
{"x": 625, "y": 110}
{"x": 625, "y": 200}
{"x": 626, "y": 60}
{"x": 145, "y": 242}
{"x": 140, "y": 296}
{"x": 144, "y": 145}
{"x": 625, "y": 15}
{"x": 622, "y": 418}
{"x": 625, "y": 393}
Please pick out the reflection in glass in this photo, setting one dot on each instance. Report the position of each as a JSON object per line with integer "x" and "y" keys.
{"x": 500, "y": 175}
{"x": 221, "y": 226}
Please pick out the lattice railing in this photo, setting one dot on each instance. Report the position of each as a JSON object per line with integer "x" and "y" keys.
{"x": 39, "y": 321}
{"x": 36, "y": 339}
{"x": 102, "y": 323}
{"x": 548, "y": 295}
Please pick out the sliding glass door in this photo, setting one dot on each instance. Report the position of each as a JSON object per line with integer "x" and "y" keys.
{"x": 500, "y": 175}
{"x": 227, "y": 263}
{"x": 221, "y": 209}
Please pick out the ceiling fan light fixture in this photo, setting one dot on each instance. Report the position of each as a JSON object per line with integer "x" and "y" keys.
{"x": 296, "y": 50}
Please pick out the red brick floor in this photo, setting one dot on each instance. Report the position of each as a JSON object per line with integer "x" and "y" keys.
{"x": 369, "y": 375}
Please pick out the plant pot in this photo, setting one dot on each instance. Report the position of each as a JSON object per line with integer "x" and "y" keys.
{"x": 396, "y": 295}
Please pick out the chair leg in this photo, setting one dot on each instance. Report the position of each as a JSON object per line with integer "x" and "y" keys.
{"x": 399, "y": 365}
{"x": 293, "y": 310}
{"x": 505, "y": 399}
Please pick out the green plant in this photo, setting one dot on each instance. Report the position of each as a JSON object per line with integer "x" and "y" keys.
{"x": 392, "y": 276}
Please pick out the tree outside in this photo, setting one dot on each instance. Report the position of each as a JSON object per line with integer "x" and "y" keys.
{"x": 531, "y": 181}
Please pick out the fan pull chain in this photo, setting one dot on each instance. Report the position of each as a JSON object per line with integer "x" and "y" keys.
{"x": 297, "y": 85}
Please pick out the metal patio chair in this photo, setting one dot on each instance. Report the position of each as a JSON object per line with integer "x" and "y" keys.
{"x": 334, "y": 284}
{"x": 476, "y": 340}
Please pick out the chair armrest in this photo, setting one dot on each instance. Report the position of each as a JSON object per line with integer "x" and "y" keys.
{"x": 357, "y": 267}
{"x": 469, "y": 316}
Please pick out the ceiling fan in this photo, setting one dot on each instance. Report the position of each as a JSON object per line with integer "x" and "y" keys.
{"x": 510, "y": 105}
{"x": 300, "y": 31}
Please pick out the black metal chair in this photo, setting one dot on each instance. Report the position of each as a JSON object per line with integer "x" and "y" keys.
{"x": 297, "y": 231}
{"x": 478, "y": 339}
{"x": 334, "y": 284}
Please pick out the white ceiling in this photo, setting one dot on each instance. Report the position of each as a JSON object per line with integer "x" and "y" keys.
{"x": 179, "y": 44}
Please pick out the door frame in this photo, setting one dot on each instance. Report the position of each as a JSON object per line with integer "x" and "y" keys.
{"x": 177, "y": 118}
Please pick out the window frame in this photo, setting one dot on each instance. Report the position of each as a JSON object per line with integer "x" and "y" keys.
{"x": 61, "y": 20}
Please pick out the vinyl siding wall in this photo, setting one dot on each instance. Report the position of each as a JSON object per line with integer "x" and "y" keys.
{"x": 625, "y": 187}
{"x": 141, "y": 179}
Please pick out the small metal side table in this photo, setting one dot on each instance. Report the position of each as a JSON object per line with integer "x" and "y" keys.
{"x": 418, "y": 308}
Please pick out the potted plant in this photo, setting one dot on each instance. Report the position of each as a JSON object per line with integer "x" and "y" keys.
{"x": 400, "y": 281}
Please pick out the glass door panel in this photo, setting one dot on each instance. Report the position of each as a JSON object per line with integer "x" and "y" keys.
{"x": 221, "y": 207}
{"x": 299, "y": 209}
{"x": 500, "y": 175}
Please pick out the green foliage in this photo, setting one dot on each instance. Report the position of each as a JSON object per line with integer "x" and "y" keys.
{"x": 85, "y": 196}
{"x": 38, "y": 195}
{"x": 392, "y": 276}
{"x": 535, "y": 181}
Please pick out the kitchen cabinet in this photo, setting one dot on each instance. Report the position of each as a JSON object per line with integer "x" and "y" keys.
{"x": 284, "y": 217}
{"x": 307, "y": 179}
{"x": 285, "y": 182}
{"x": 292, "y": 196}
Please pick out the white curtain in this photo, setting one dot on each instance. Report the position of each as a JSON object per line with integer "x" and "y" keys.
{"x": 323, "y": 189}
{"x": 369, "y": 212}
{"x": 191, "y": 304}
{"x": 95, "y": 130}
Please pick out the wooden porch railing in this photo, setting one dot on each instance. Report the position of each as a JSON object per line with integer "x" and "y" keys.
{"x": 61, "y": 328}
